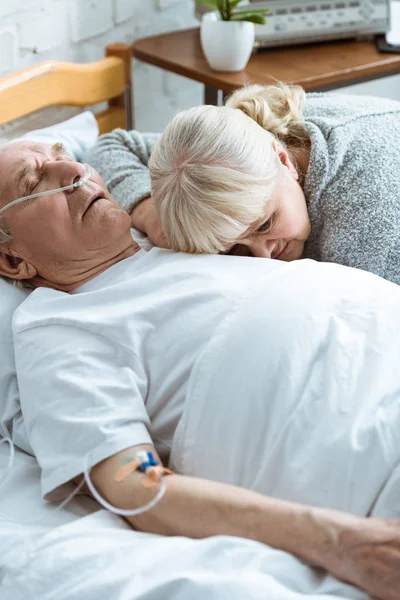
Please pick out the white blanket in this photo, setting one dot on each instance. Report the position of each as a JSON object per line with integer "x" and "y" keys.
{"x": 99, "y": 558}
{"x": 64, "y": 555}
{"x": 298, "y": 393}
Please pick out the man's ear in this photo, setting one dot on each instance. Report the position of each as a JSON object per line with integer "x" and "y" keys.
{"x": 285, "y": 158}
{"x": 15, "y": 267}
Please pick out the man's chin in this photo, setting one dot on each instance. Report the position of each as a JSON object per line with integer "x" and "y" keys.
{"x": 110, "y": 214}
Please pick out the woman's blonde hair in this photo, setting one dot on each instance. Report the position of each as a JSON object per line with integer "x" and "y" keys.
{"x": 214, "y": 168}
{"x": 276, "y": 108}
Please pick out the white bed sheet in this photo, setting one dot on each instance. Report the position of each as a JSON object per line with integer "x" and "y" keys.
{"x": 21, "y": 501}
{"x": 90, "y": 554}
{"x": 23, "y": 513}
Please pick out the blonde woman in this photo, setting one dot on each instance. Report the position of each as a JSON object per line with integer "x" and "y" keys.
{"x": 224, "y": 182}
{"x": 274, "y": 173}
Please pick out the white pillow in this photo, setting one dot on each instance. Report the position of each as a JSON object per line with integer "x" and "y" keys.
{"x": 78, "y": 134}
{"x": 10, "y": 298}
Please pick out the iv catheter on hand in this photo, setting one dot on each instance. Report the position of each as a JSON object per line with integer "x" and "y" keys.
{"x": 143, "y": 462}
{"x": 79, "y": 183}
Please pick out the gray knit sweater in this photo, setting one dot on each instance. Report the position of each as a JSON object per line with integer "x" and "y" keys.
{"x": 352, "y": 185}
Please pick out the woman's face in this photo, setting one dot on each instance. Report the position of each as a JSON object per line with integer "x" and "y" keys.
{"x": 283, "y": 228}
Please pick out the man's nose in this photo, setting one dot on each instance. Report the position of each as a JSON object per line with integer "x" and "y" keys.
{"x": 262, "y": 248}
{"x": 67, "y": 172}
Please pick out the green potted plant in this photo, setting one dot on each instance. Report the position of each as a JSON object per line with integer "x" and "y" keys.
{"x": 227, "y": 34}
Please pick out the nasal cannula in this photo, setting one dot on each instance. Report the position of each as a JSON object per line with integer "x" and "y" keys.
{"x": 79, "y": 183}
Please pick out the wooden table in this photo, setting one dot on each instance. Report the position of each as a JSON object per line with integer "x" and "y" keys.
{"x": 317, "y": 67}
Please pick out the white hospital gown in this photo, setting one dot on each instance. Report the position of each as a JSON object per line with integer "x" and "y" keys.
{"x": 107, "y": 367}
{"x": 280, "y": 377}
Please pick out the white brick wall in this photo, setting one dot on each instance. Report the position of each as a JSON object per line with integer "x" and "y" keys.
{"x": 90, "y": 19}
{"x": 78, "y": 30}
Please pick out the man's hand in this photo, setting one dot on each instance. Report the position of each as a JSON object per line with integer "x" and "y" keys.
{"x": 368, "y": 556}
{"x": 144, "y": 218}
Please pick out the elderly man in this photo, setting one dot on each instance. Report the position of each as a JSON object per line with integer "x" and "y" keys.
{"x": 123, "y": 348}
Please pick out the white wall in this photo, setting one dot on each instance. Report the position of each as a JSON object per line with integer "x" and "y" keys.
{"x": 387, "y": 87}
{"x": 78, "y": 30}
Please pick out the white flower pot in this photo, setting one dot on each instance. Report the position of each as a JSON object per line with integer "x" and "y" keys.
{"x": 227, "y": 45}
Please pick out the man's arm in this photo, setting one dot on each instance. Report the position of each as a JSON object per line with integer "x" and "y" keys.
{"x": 364, "y": 552}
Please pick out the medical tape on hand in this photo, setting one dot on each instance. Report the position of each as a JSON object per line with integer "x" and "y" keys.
{"x": 146, "y": 463}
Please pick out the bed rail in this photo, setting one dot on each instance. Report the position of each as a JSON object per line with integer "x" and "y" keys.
{"x": 54, "y": 83}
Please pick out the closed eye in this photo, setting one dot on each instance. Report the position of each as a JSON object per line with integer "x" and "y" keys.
{"x": 31, "y": 185}
{"x": 266, "y": 226}
{"x": 39, "y": 177}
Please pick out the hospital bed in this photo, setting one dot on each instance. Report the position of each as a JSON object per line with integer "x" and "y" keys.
{"x": 82, "y": 551}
